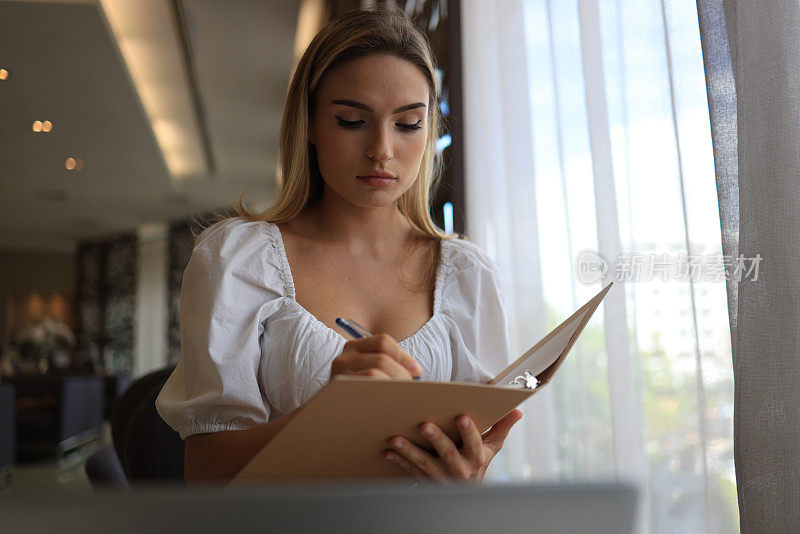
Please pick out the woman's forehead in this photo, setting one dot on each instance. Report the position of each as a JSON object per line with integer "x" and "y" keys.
{"x": 379, "y": 81}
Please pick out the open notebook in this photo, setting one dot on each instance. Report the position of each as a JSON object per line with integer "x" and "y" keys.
{"x": 342, "y": 431}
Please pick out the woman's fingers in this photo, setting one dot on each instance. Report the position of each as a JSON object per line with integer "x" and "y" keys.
{"x": 420, "y": 459}
{"x": 350, "y": 362}
{"x": 385, "y": 344}
{"x": 472, "y": 447}
{"x": 496, "y": 436}
{"x": 371, "y": 373}
{"x": 404, "y": 464}
{"x": 467, "y": 463}
{"x": 449, "y": 454}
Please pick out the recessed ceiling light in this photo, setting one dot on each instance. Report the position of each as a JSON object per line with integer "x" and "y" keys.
{"x": 3, "y": 74}
{"x": 39, "y": 126}
{"x": 74, "y": 164}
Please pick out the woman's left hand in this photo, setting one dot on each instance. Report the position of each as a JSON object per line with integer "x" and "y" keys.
{"x": 467, "y": 463}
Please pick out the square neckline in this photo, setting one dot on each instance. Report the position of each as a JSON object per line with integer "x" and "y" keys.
{"x": 288, "y": 281}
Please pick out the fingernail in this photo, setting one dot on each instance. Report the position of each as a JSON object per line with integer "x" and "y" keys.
{"x": 389, "y": 456}
{"x": 464, "y": 422}
{"x": 397, "y": 444}
{"x": 427, "y": 430}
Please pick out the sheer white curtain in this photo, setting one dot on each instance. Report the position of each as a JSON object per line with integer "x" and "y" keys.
{"x": 587, "y": 142}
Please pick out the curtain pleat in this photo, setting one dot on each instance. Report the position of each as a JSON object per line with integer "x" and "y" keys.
{"x": 721, "y": 90}
{"x": 754, "y": 100}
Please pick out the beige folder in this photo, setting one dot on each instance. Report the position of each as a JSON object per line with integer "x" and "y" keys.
{"x": 342, "y": 431}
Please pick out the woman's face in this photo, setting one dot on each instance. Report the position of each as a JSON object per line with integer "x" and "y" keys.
{"x": 371, "y": 115}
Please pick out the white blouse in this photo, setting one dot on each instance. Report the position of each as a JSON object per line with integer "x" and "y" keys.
{"x": 251, "y": 353}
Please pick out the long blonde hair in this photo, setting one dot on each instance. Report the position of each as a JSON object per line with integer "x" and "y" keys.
{"x": 355, "y": 34}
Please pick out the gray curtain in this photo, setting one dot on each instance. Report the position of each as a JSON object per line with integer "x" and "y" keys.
{"x": 752, "y": 59}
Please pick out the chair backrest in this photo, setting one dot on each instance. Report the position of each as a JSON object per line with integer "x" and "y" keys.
{"x": 7, "y": 435}
{"x": 128, "y": 402}
{"x": 152, "y": 450}
{"x": 82, "y": 402}
{"x": 104, "y": 470}
{"x": 147, "y": 447}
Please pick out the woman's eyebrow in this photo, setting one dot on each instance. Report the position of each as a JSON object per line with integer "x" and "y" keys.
{"x": 359, "y": 105}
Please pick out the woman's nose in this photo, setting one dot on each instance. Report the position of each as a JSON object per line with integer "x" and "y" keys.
{"x": 380, "y": 149}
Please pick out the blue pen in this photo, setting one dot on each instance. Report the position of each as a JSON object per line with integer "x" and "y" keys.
{"x": 357, "y": 331}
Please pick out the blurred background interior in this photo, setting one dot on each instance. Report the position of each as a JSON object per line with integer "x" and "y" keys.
{"x": 124, "y": 126}
{"x": 122, "y": 123}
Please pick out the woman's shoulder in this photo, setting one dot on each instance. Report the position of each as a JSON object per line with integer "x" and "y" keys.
{"x": 239, "y": 250}
{"x": 233, "y": 233}
{"x": 236, "y": 243}
{"x": 472, "y": 280}
{"x": 464, "y": 255}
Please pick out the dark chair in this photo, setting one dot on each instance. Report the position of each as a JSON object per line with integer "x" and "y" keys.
{"x": 56, "y": 413}
{"x": 128, "y": 402}
{"x": 115, "y": 385}
{"x": 104, "y": 470}
{"x": 147, "y": 449}
{"x": 152, "y": 450}
{"x": 7, "y": 433}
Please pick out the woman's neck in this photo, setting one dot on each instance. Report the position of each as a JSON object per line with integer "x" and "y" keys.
{"x": 371, "y": 231}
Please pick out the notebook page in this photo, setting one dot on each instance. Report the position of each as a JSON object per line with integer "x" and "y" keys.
{"x": 537, "y": 360}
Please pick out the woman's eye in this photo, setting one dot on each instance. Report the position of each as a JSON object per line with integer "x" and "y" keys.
{"x": 414, "y": 126}
{"x": 356, "y": 124}
{"x": 349, "y": 124}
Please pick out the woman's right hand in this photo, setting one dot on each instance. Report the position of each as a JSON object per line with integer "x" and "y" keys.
{"x": 379, "y": 356}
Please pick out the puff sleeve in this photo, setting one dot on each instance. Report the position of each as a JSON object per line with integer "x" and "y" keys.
{"x": 475, "y": 302}
{"x": 225, "y": 301}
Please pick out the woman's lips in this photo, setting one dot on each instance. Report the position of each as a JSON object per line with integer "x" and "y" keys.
{"x": 376, "y": 181}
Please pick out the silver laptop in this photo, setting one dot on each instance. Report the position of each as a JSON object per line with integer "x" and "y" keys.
{"x": 378, "y": 508}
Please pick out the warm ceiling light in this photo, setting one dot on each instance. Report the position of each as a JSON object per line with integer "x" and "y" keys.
{"x": 3, "y": 74}
{"x": 154, "y": 58}
{"x": 47, "y": 126}
{"x": 37, "y": 126}
{"x": 74, "y": 164}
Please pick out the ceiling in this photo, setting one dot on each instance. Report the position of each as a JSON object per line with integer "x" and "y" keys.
{"x": 65, "y": 66}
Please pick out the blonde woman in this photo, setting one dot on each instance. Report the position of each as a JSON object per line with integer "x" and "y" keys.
{"x": 350, "y": 235}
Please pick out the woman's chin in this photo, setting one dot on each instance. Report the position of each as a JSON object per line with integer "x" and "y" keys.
{"x": 376, "y": 203}
{"x": 375, "y": 199}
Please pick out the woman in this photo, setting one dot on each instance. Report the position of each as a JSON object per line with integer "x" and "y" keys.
{"x": 350, "y": 235}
